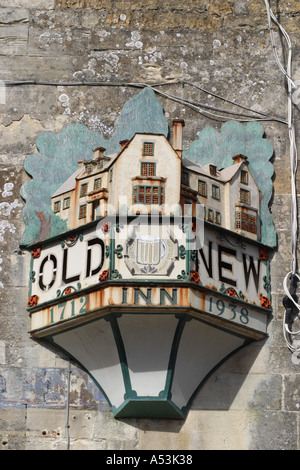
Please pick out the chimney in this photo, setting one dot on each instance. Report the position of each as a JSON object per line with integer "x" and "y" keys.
{"x": 98, "y": 152}
{"x": 178, "y": 125}
{"x": 239, "y": 158}
{"x": 123, "y": 143}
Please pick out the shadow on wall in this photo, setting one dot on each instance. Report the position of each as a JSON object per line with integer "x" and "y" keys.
{"x": 224, "y": 388}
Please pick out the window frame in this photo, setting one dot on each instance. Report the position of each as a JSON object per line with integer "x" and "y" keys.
{"x": 65, "y": 201}
{"x": 210, "y": 215}
{"x": 83, "y": 190}
{"x": 204, "y": 185}
{"x": 147, "y": 166}
{"x": 185, "y": 173}
{"x": 245, "y": 196}
{"x": 245, "y": 222}
{"x": 57, "y": 203}
{"x": 96, "y": 186}
{"x": 80, "y": 216}
{"x": 213, "y": 170}
{"x": 246, "y": 174}
{"x": 148, "y": 148}
{"x": 218, "y": 218}
{"x": 137, "y": 192}
{"x": 216, "y": 192}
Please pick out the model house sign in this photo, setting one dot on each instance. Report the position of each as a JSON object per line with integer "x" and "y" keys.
{"x": 158, "y": 274}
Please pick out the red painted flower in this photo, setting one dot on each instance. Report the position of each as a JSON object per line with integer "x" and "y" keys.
{"x": 263, "y": 254}
{"x": 231, "y": 292}
{"x": 68, "y": 290}
{"x": 265, "y": 302}
{"x": 105, "y": 228}
{"x": 104, "y": 275}
{"x": 33, "y": 300}
{"x": 195, "y": 277}
{"x": 36, "y": 252}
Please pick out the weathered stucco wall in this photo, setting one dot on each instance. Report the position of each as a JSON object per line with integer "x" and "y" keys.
{"x": 252, "y": 401}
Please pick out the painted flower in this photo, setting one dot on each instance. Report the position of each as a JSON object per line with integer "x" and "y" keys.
{"x": 68, "y": 290}
{"x": 105, "y": 228}
{"x": 33, "y": 300}
{"x": 231, "y": 292}
{"x": 195, "y": 277}
{"x": 265, "y": 302}
{"x": 104, "y": 275}
{"x": 36, "y": 252}
{"x": 263, "y": 254}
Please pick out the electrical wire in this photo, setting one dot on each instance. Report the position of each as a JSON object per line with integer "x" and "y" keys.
{"x": 292, "y": 305}
{"x": 212, "y": 112}
{"x": 205, "y": 109}
{"x": 67, "y": 426}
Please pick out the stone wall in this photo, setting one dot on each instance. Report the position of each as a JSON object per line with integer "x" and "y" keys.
{"x": 250, "y": 402}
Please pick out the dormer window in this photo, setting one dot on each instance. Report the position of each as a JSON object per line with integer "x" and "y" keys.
{"x": 100, "y": 164}
{"x": 213, "y": 170}
{"x": 148, "y": 148}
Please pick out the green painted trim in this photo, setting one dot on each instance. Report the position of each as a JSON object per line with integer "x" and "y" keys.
{"x": 160, "y": 406}
{"x": 173, "y": 356}
{"x": 148, "y": 407}
{"x": 148, "y": 153}
{"x": 122, "y": 356}
{"x": 147, "y": 165}
{"x": 30, "y": 277}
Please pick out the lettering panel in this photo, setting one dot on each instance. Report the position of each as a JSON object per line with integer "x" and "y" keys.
{"x": 221, "y": 308}
{"x": 68, "y": 265}
{"x": 233, "y": 266}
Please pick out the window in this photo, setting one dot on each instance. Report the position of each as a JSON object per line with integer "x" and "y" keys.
{"x": 100, "y": 164}
{"x": 82, "y": 211}
{"x": 185, "y": 177}
{"x": 215, "y": 192}
{"x": 202, "y": 188}
{"x": 97, "y": 183}
{"x": 244, "y": 177}
{"x": 148, "y": 169}
{"x": 218, "y": 218}
{"x": 210, "y": 215}
{"x": 66, "y": 203}
{"x": 56, "y": 207}
{"x": 246, "y": 222}
{"x": 148, "y": 195}
{"x": 244, "y": 196}
{"x": 213, "y": 170}
{"x": 148, "y": 148}
{"x": 83, "y": 189}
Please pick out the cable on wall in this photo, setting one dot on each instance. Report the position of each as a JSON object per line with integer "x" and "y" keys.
{"x": 67, "y": 426}
{"x": 290, "y": 302}
{"x": 222, "y": 114}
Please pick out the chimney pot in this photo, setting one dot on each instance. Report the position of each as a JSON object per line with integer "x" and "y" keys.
{"x": 239, "y": 158}
{"x": 98, "y": 152}
{"x": 123, "y": 143}
{"x": 178, "y": 125}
